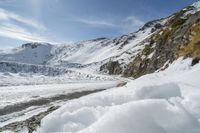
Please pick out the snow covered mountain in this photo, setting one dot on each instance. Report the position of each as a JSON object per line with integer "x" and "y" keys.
{"x": 151, "y": 48}
{"x": 163, "y": 57}
{"x": 83, "y": 54}
{"x": 33, "y": 53}
{"x": 165, "y": 101}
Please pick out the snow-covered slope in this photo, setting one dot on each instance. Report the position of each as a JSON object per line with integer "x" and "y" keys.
{"x": 31, "y": 53}
{"x": 84, "y": 53}
{"x": 193, "y": 8}
{"x": 100, "y": 50}
{"x": 125, "y": 54}
{"x": 164, "y": 102}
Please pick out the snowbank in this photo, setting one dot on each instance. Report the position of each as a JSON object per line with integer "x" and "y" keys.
{"x": 163, "y": 102}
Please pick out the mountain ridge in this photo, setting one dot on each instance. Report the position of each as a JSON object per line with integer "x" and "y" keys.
{"x": 154, "y": 46}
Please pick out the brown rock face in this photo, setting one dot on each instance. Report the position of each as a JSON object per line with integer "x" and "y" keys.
{"x": 113, "y": 68}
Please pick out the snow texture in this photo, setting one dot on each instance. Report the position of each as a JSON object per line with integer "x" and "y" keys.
{"x": 16, "y": 94}
{"x": 163, "y": 102}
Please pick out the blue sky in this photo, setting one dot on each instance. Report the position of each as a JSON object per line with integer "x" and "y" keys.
{"x": 65, "y": 21}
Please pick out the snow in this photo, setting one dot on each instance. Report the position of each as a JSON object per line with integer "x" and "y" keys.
{"x": 80, "y": 54}
{"x": 196, "y": 6}
{"x": 135, "y": 117}
{"x": 7, "y": 132}
{"x": 16, "y": 79}
{"x": 16, "y": 94}
{"x": 162, "y": 102}
{"x": 151, "y": 55}
{"x": 22, "y": 115}
{"x": 89, "y": 52}
{"x": 37, "y": 55}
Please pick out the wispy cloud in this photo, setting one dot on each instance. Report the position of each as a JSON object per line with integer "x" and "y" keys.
{"x": 10, "y": 29}
{"x": 133, "y": 20}
{"x": 95, "y": 22}
{"x": 15, "y": 32}
{"x": 124, "y": 25}
{"x": 131, "y": 23}
{"x": 9, "y": 16}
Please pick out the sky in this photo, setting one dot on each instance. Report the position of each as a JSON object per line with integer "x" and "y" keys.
{"x": 67, "y": 21}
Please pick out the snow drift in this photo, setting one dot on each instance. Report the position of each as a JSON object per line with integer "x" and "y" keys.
{"x": 163, "y": 102}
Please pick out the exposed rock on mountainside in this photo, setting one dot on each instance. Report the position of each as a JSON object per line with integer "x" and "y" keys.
{"x": 113, "y": 67}
{"x": 180, "y": 36}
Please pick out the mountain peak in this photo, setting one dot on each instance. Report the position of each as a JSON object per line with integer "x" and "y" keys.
{"x": 196, "y": 4}
{"x": 34, "y": 45}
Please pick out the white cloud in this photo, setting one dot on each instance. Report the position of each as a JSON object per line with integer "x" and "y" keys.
{"x": 133, "y": 20}
{"x": 95, "y": 22}
{"x": 124, "y": 25}
{"x": 131, "y": 23}
{"x": 9, "y": 16}
{"x": 18, "y": 31}
{"x": 15, "y": 32}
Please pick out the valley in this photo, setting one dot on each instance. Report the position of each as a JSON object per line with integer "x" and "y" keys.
{"x": 146, "y": 81}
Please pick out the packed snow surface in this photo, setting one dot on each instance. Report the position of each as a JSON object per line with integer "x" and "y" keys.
{"x": 14, "y": 96}
{"x": 10, "y": 95}
{"x": 19, "y": 79}
{"x": 163, "y": 102}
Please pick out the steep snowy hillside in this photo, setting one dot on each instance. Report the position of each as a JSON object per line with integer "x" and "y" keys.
{"x": 31, "y": 53}
{"x": 151, "y": 48}
{"x": 179, "y": 37}
{"x": 104, "y": 49}
{"x": 83, "y": 54}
